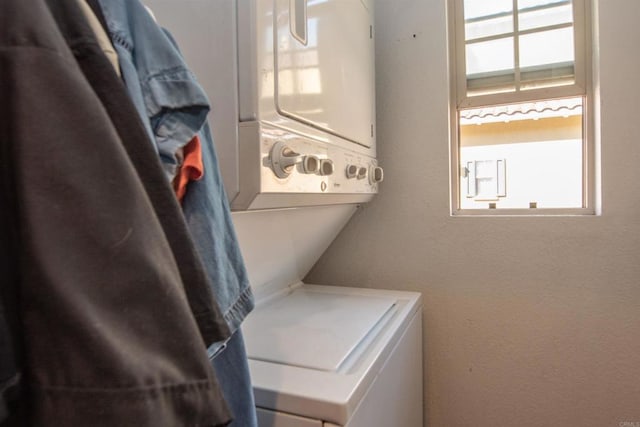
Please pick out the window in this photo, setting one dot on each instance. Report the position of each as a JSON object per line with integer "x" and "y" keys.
{"x": 521, "y": 104}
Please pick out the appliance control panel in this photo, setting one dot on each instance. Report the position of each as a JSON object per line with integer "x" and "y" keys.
{"x": 288, "y": 169}
{"x": 302, "y": 165}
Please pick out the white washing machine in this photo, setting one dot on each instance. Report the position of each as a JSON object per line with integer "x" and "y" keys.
{"x": 325, "y": 355}
{"x": 335, "y": 356}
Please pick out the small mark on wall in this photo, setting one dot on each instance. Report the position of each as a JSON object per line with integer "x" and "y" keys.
{"x": 409, "y": 36}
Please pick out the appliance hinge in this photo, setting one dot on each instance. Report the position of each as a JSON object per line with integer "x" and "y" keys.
{"x": 370, "y": 31}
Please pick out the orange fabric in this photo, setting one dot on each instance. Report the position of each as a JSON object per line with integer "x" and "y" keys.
{"x": 192, "y": 168}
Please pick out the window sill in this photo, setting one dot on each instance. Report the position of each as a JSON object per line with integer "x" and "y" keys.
{"x": 537, "y": 212}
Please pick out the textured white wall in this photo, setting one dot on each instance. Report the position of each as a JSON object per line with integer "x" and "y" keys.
{"x": 540, "y": 325}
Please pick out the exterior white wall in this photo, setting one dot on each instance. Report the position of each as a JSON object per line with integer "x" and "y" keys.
{"x": 548, "y": 173}
{"x": 528, "y": 321}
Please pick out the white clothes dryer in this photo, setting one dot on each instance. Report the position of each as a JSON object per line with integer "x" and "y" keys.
{"x": 292, "y": 90}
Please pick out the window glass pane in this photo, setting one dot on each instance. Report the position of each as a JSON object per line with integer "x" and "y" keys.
{"x": 486, "y": 187}
{"x": 526, "y": 4}
{"x": 490, "y": 56}
{"x": 547, "y": 48}
{"x": 545, "y": 17}
{"x": 482, "y": 8}
{"x": 489, "y": 27}
{"x": 490, "y": 67}
{"x": 540, "y": 145}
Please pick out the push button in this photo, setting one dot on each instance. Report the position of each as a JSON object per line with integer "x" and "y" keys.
{"x": 362, "y": 172}
{"x": 376, "y": 174}
{"x": 326, "y": 167}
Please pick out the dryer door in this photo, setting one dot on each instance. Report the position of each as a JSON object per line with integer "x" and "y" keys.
{"x": 325, "y": 66}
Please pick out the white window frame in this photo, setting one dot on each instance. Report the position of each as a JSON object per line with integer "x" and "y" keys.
{"x": 582, "y": 87}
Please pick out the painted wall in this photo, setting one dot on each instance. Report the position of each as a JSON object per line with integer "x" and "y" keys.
{"x": 528, "y": 321}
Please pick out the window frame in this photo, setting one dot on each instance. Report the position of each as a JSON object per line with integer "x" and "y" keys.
{"x": 582, "y": 87}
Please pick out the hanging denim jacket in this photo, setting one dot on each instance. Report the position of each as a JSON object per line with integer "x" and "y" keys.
{"x": 175, "y": 105}
{"x": 170, "y": 102}
{"x": 208, "y": 215}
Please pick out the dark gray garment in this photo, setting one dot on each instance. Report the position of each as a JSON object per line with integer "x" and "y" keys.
{"x": 9, "y": 370}
{"x": 9, "y": 277}
{"x": 9, "y": 375}
{"x": 113, "y": 95}
{"x": 107, "y": 326}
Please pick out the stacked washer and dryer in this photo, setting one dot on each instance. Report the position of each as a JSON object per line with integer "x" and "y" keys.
{"x": 291, "y": 83}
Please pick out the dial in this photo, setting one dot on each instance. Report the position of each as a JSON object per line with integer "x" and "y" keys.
{"x": 352, "y": 171}
{"x": 362, "y": 172}
{"x": 326, "y": 167}
{"x": 376, "y": 174}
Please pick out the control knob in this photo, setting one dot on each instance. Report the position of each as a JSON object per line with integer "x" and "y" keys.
{"x": 283, "y": 160}
{"x": 326, "y": 167}
{"x": 362, "y": 172}
{"x": 376, "y": 174}
{"x": 352, "y": 171}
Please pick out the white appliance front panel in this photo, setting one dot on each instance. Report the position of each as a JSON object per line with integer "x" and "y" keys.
{"x": 267, "y": 418}
{"x": 260, "y": 71}
{"x": 324, "y": 66}
{"x": 279, "y": 246}
{"x": 401, "y": 374}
